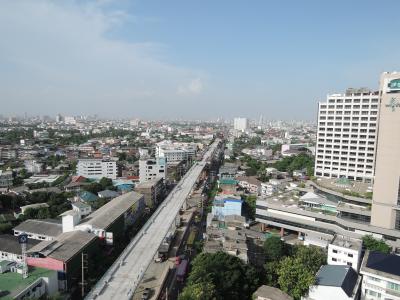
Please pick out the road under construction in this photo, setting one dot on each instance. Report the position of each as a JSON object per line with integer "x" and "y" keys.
{"x": 123, "y": 277}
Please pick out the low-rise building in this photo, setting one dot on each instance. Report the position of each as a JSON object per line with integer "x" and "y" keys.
{"x": 251, "y": 184}
{"x": 39, "y": 283}
{"x": 335, "y": 283}
{"x": 42, "y": 230}
{"x": 225, "y": 205}
{"x": 227, "y": 171}
{"x": 97, "y": 168}
{"x": 153, "y": 191}
{"x": 33, "y": 166}
{"x": 82, "y": 208}
{"x": 340, "y": 209}
{"x": 110, "y": 221}
{"x": 108, "y": 194}
{"x": 6, "y": 179}
{"x": 227, "y": 186}
{"x": 10, "y": 248}
{"x": 64, "y": 255}
{"x": 381, "y": 276}
{"x": 268, "y": 189}
{"x": 345, "y": 251}
{"x": 266, "y": 292}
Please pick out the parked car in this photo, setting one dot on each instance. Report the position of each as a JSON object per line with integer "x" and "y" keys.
{"x": 146, "y": 294}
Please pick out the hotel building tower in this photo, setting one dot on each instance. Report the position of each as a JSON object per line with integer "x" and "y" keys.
{"x": 386, "y": 193}
{"x": 347, "y": 133}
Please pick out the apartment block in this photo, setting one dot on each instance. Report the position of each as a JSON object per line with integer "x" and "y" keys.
{"x": 345, "y": 251}
{"x": 240, "y": 124}
{"x": 381, "y": 276}
{"x": 152, "y": 168}
{"x": 347, "y": 134}
{"x": 97, "y": 168}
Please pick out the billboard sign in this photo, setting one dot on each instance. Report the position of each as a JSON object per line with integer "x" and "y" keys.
{"x": 393, "y": 86}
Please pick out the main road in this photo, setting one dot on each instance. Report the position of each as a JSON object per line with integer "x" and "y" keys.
{"x": 123, "y": 277}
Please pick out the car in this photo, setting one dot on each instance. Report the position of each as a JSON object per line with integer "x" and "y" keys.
{"x": 146, "y": 294}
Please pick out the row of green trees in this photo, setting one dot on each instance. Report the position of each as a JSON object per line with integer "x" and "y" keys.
{"x": 297, "y": 162}
{"x": 222, "y": 276}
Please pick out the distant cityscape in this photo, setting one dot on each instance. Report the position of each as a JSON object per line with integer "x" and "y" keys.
{"x": 138, "y": 209}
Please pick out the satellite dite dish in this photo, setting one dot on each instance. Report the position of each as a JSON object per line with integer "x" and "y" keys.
{"x": 23, "y": 238}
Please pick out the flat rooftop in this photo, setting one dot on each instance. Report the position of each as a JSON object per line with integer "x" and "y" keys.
{"x": 292, "y": 200}
{"x": 65, "y": 246}
{"x": 345, "y": 186}
{"x": 48, "y": 227}
{"x": 107, "y": 214}
{"x": 346, "y": 242}
{"x": 11, "y": 284}
{"x": 381, "y": 264}
{"x": 10, "y": 244}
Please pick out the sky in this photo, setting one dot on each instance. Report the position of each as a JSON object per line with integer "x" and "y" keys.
{"x": 191, "y": 59}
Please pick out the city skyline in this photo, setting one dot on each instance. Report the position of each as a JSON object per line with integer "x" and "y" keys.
{"x": 147, "y": 60}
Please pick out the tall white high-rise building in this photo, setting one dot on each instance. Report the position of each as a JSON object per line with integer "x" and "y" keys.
{"x": 97, "y": 168}
{"x": 347, "y": 135}
{"x": 240, "y": 124}
{"x": 386, "y": 195}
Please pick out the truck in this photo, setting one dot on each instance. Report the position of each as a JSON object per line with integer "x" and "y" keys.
{"x": 162, "y": 253}
{"x": 181, "y": 270}
{"x": 191, "y": 238}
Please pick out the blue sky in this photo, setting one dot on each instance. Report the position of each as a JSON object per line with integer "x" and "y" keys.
{"x": 191, "y": 59}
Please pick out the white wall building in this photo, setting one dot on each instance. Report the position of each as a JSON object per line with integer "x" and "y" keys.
{"x": 345, "y": 251}
{"x": 152, "y": 168}
{"x": 240, "y": 124}
{"x": 32, "y": 166}
{"x": 381, "y": 276}
{"x": 6, "y": 179}
{"x": 268, "y": 189}
{"x": 97, "y": 168}
{"x": 176, "y": 152}
{"x": 69, "y": 120}
{"x": 335, "y": 283}
{"x": 347, "y": 135}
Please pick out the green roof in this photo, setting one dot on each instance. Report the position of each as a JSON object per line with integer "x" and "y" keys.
{"x": 88, "y": 196}
{"x": 228, "y": 181}
{"x": 13, "y": 283}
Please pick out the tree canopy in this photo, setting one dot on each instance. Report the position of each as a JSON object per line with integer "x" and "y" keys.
{"x": 220, "y": 276}
{"x": 274, "y": 248}
{"x": 297, "y": 162}
{"x": 373, "y": 244}
{"x": 297, "y": 272}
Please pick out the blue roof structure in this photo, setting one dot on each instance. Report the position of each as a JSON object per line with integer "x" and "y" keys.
{"x": 388, "y": 263}
{"x": 338, "y": 276}
{"x": 87, "y": 196}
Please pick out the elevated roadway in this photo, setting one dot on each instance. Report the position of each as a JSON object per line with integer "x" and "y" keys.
{"x": 123, "y": 277}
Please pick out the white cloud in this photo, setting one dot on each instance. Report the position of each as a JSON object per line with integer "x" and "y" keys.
{"x": 194, "y": 87}
{"x": 58, "y": 56}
